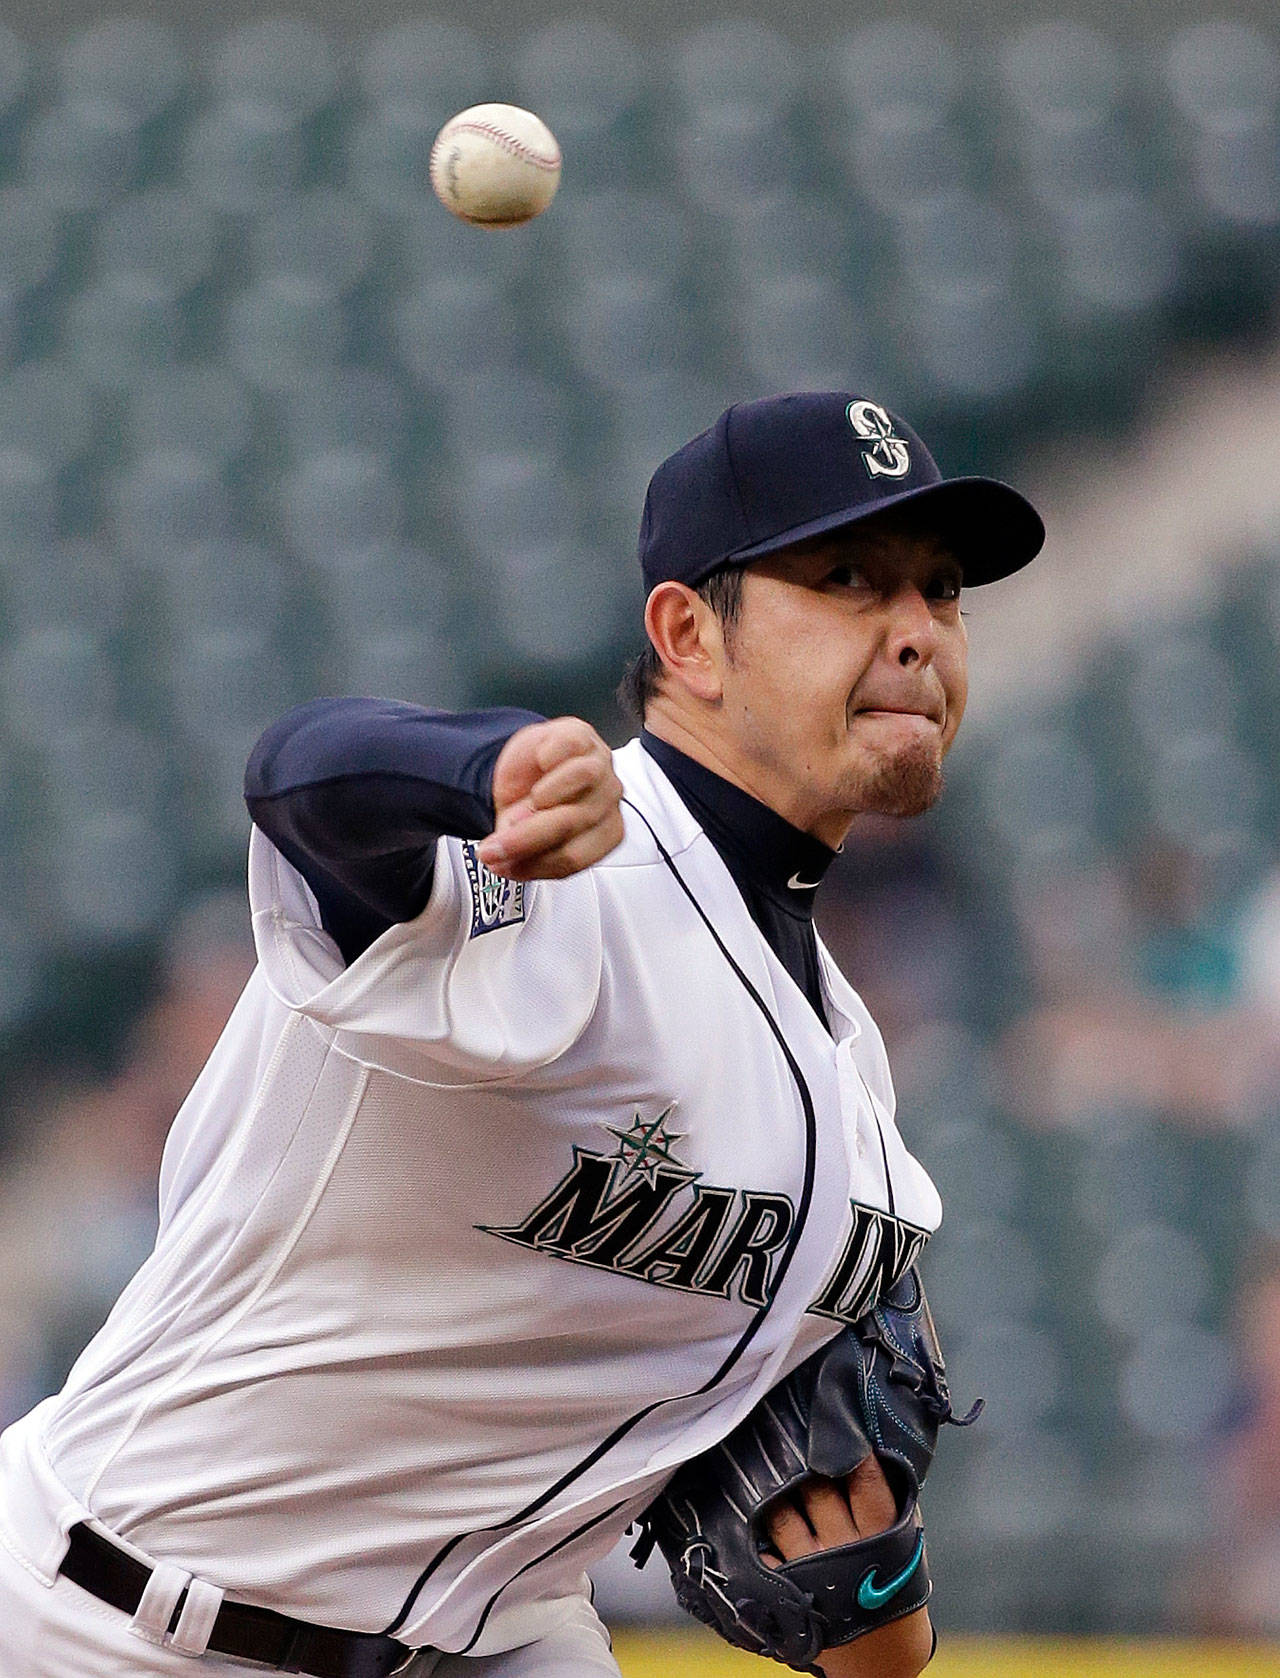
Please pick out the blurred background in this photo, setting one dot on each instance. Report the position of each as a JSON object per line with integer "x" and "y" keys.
{"x": 272, "y": 424}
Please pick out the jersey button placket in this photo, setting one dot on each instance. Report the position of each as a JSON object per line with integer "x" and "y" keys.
{"x": 854, "y": 1113}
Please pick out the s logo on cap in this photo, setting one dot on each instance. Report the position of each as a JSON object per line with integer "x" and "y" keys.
{"x": 888, "y": 456}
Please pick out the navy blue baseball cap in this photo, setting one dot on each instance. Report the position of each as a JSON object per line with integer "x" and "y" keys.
{"x": 779, "y": 470}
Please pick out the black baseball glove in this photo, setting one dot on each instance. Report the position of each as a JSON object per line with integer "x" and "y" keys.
{"x": 878, "y": 1389}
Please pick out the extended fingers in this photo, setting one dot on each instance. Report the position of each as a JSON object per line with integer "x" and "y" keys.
{"x": 828, "y": 1512}
{"x": 870, "y": 1498}
{"x": 789, "y": 1531}
{"x": 822, "y": 1514}
{"x": 816, "y": 1516}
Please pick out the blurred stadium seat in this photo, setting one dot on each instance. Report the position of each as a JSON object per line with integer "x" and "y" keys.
{"x": 80, "y": 155}
{"x": 282, "y": 329}
{"x": 243, "y": 157}
{"x": 341, "y": 499}
{"x": 282, "y": 62}
{"x": 134, "y": 63}
{"x": 340, "y": 408}
{"x": 46, "y": 409}
{"x": 198, "y": 408}
{"x": 119, "y": 326}
{"x": 436, "y": 65}
{"x": 161, "y": 236}
{"x": 169, "y": 499}
{"x": 322, "y": 235}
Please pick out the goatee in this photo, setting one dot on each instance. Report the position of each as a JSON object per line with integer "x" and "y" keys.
{"x": 905, "y": 784}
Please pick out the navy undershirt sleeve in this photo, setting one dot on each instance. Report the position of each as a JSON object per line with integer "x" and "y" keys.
{"x": 355, "y": 793}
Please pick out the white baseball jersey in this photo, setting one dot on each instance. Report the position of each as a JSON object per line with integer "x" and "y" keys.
{"x": 464, "y": 1246}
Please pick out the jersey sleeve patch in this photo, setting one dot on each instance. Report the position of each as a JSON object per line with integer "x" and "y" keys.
{"x": 495, "y": 902}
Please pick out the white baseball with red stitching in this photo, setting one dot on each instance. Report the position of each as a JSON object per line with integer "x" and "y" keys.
{"x": 495, "y": 165}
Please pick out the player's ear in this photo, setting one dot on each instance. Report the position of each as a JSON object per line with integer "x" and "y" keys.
{"x": 689, "y": 639}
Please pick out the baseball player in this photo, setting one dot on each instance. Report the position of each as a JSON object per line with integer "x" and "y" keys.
{"x": 546, "y": 1137}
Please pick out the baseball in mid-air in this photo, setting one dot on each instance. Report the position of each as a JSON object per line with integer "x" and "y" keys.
{"x": 495, "y": 165}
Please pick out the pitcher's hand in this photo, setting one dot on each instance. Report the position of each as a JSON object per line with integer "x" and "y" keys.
{"x": 823, "y": 1514}
{"x": 556, "y": 802}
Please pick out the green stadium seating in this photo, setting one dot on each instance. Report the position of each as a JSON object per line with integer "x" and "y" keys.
{"x": 437, "y": 66}
{"x": 729, "y": 157}
{"x": 116, "y": 877}
{"x": 1150, "y": 1277}
{"x": 1177, "y": 1384}
{"x": 736, "y": 66}
{"x": 29, "y": 505}
{"x": 1019, "y": 1365}
{"x": 105, "y": 766}
{"x": 47, "y": 410}
{"x": 284, "y": 63}
{"x": 21, "y": 975}
{"x": 322, "y": 236}
{"x": 588, "y": 83}
{"x": 340, "y": 408}
{"x": 77, "y": 585}
{"x": 803, "y": 330}
{"x": 505, "y": 502}
{"x": 119, "y": 326}
{"x": 162, "y": 236}
{"x": 167, "y": 500}
{"x": 452, "y": 326}
{"x": 340, "y": 499}
{"x": 80, "y": 155}
{"x": 16, "y": 67}
{"x": 404, "y": 661}
{"x": 629, "y": 327}
{"x": 55, "y": 679}
{"x": 622, "y": 233}
{"x": 31, "y": 239}
{"x": 378, "y": 587}
{"x": 905, "y": 72}
{"x": 134, "y": 63}
{"x": 506, "y": 411}
{"x": 196, "y": 408}
{"x": 985, "y": 1271}
{"x": 1062, "y": 76}
{"x": 538, "y": 591}
{"x": 212, "y": 587}
{"x": 282, "y": 329}
{"x": 243, "y": 157}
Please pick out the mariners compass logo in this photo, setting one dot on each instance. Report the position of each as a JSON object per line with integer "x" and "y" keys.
{"x": 889, "y": 455}
{"x": 647, "y": 1144}
{"x": 638, "y": 1210}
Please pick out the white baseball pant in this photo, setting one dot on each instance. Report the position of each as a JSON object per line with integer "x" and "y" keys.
{"x": 57, "y": 1630}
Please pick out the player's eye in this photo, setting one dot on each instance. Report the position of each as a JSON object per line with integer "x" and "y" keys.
{"x": 946, "y": 586}
{"x": 845, "y": 576}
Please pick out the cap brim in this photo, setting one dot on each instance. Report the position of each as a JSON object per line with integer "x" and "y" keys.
{"x": 991, "y": 529}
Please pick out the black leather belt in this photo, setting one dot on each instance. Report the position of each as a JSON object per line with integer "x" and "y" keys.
{"x": 240, "y": 1630}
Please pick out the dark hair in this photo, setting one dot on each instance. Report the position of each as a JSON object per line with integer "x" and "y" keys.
{"x": 722, "y": 591}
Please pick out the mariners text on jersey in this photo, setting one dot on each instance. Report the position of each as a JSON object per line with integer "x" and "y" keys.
{"x": 611, "y": 1211}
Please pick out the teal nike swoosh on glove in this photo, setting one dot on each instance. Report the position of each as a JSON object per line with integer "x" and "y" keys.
{"x": 872, "y": 1596}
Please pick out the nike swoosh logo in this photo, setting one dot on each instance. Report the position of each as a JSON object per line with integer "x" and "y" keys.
{"x": 797, "y": 884}
{"x": 872, "y": 1596}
